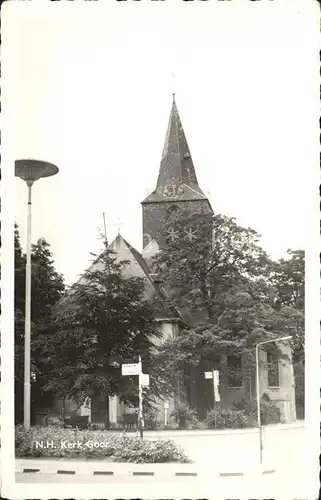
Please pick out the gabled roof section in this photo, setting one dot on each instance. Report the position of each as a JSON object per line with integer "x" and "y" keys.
{"x": 177, "y": 178}
{"x": 150, "y": 250}
{"x": 137, "y": 266}
{"x": 139, "y": 258}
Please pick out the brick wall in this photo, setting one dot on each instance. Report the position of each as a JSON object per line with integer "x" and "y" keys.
{"x": 154, "y": 214}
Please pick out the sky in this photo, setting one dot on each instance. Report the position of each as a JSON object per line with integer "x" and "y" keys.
{"x": 91, "y": 90}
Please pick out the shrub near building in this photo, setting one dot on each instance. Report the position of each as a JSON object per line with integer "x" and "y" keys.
{"x": 227, "y": 419}
{"x": 270, "y": 413}
{"x": 57, "y": 442}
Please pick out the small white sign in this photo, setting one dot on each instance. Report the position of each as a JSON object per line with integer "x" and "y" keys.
{"x": 208, "y": 374}
{"x": 144, "y": 379}
{"x": 166, "y": 405}
{"x": 131, "y": 369}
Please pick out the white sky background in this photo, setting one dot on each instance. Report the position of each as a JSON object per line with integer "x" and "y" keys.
{"x": 92, "y": 86}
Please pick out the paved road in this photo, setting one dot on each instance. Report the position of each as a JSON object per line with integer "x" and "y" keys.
{"x": 212, "y": 454}
{"x": 282, "y": 449}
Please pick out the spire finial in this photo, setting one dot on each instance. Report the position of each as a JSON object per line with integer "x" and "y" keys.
{"x": 173, "y": 86}
{"x": 118, "y": 223}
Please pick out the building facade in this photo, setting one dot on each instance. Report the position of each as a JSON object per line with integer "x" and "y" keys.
{"x": 177, "y": 187}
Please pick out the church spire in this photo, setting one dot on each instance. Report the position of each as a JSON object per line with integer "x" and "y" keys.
{"x": 177, "y": 185}
{"x": 176, "y": 163}
{"x": 177, "y": 179}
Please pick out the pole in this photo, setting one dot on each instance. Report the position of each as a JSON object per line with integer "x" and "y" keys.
{"x": 27, "y": 391}
{"x": 165, "y": 414}
{"x": 258, "y": 400}
{"x": 214, "y": 399}
{"x": 141, "y": 415}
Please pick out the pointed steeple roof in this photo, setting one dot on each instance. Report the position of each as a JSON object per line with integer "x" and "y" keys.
{"x": 177, "y": 178}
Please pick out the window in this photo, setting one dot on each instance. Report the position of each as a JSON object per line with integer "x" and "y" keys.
{"x": 273, "y": 370}
{"x": 234, "y": 364}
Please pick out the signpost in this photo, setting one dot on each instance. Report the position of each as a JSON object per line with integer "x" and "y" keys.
{"x": 144, "y": 379}
{"x": 130, "y": 369}
{"x": 166, "y": 406}
{"x": 216, "y": 382}
{"x": 215, "y": 376}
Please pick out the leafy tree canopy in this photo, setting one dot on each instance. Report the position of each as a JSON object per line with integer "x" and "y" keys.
{"x": 102, "y": 322}
{"x": 47, "y": 287}
{"x": 288, "y": 279}
{"x": 219, "y": 277}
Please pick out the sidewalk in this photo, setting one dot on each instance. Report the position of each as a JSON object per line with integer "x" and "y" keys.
{"x": 213, "y": 432}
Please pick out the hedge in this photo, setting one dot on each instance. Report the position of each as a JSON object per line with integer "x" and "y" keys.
{"x": 270, "y": 412}
{"x": 226, "y": 419}
{"x": 57, "y": 442}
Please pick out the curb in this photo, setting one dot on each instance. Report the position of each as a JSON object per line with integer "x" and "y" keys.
{"x": 144, "y": 473}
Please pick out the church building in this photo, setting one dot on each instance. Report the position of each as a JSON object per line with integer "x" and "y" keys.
{"x": 177, "y": 186}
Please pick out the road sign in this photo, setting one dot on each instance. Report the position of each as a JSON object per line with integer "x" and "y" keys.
{"x": 216, "y": 381}
{"x": 131, "y": 369}
{"x": 166, "y": 405}
{"x": 144, "y": 379}
{"x": 208, "y": 374}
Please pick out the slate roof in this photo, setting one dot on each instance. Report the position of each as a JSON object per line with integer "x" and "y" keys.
{"x": 164, "y": 310}
{"x": 176, "y": 166}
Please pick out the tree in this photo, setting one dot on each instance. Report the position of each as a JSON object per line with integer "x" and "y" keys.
{"x": 101, "y": 323}
{"x": 19, "y": 313}
{"x": 218, "y": 255}
{"x": 47, "y": 288}
{"x": 288, "y": 277}
{"x": 217, "y": 275}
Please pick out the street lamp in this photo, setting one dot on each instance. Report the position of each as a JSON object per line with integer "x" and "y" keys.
{"x": 258, "y": 385}
{"x": 30, "y": 171}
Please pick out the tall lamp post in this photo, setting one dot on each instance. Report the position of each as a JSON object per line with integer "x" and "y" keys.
{"x": 258, "y": 397}
{"x": 30, "y": 171}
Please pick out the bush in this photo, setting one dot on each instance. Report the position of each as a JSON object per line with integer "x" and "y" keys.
{"x": 184, "y": 416}
{"x": 53, "y": 442}
{"x": 141, "y": 451}
{"x": 116, "y": 426}
{"x": 199, "y": 424}
{"x": 150, "y": 420}
{"x": 270, "y": 412}
{"x": 96, "y": 426}
{"x": 53, "y": 420}
{"x": 76, "y": 421}
{"x": 226, "y": 419}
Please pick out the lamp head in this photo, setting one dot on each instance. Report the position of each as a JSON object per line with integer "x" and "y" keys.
{"x": 32, "y": 170}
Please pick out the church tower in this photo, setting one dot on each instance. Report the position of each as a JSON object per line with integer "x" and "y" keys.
{"x": 177, "y": 185}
